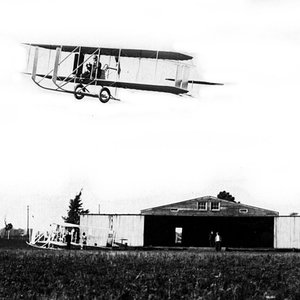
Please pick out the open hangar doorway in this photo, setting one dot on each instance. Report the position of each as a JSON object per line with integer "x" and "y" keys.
{"x": 193, "y": 231}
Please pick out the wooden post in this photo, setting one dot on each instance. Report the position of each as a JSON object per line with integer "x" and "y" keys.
{"x": 28, "y": 221}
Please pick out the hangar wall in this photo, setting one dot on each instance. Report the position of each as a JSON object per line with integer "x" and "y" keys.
{"x": 121, "y": 228}
{"x": 96, "y": 229}
{"x": 287, "y": 232}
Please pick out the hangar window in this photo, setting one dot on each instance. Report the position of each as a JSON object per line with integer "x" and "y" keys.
{"x": 215, "y": 206}
{"x": 243, "y": 210}
{"x": 202, "y": 205}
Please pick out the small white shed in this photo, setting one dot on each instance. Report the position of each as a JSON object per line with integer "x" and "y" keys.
{"x": 103, "y": 229}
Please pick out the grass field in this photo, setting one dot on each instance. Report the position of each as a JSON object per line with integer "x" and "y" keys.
{"x": 47, "y": 274}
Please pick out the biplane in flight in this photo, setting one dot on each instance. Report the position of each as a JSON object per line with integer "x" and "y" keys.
{"x": 98, "y": 72}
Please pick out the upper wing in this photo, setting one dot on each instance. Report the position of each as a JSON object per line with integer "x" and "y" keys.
{"x": 137, "y": 53}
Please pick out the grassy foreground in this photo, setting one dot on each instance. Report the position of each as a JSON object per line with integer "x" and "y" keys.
{"x": 47, "y": 274}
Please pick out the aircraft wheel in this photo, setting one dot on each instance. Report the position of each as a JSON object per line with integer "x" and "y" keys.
{"x": 104, "y": 95}
{"x": 79, "y": 88}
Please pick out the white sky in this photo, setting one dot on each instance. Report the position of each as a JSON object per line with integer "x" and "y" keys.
{"x": 153, "y": 149}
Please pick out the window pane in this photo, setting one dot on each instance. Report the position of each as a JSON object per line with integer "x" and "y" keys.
{"x": 202, "y": 205}
{"x": 215, "y": 205}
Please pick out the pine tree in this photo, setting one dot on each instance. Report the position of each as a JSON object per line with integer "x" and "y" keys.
{"x": 75, "y": 209}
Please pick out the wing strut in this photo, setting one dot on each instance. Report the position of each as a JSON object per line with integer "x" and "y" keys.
{"x": 35, "y": 62}
{"x": 56, "y": 64}
{"x": 156, "y": 61}
{"x": 119, "y": 71}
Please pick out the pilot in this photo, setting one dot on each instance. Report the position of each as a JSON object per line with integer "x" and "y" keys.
{"x": 93, "y": 69}
{"x": 96, "y": 68}
{"x": 87, "y": 73}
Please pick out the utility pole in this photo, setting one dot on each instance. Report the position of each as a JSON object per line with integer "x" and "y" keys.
{"x": 99, "y": 209}
{"x": 28, "y": 221}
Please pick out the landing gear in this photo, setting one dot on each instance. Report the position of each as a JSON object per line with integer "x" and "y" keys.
{"x": 80, "y": 91}
{"x": 77, "y": 91}
{"x": 104, "y": 95}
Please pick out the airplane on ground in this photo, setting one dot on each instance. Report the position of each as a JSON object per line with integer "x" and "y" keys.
{"x": 56, "y": 235}
{"x": 79, "y": 70}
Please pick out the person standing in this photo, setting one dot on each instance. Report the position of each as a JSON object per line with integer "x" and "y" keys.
{"x": 218, "y": 242}
{"x": 211, "y": 239}
{"x": 68, "y": 240}
{"x": 83, "y": 240}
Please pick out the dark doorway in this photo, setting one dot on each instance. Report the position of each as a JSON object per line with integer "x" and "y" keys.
{"x": 254, "y": 232}
{"x": 178, "y": 235}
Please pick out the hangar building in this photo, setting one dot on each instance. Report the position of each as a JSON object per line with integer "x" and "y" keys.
{"x": 239, "y": 225}
{"x": 186, "y": 224}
